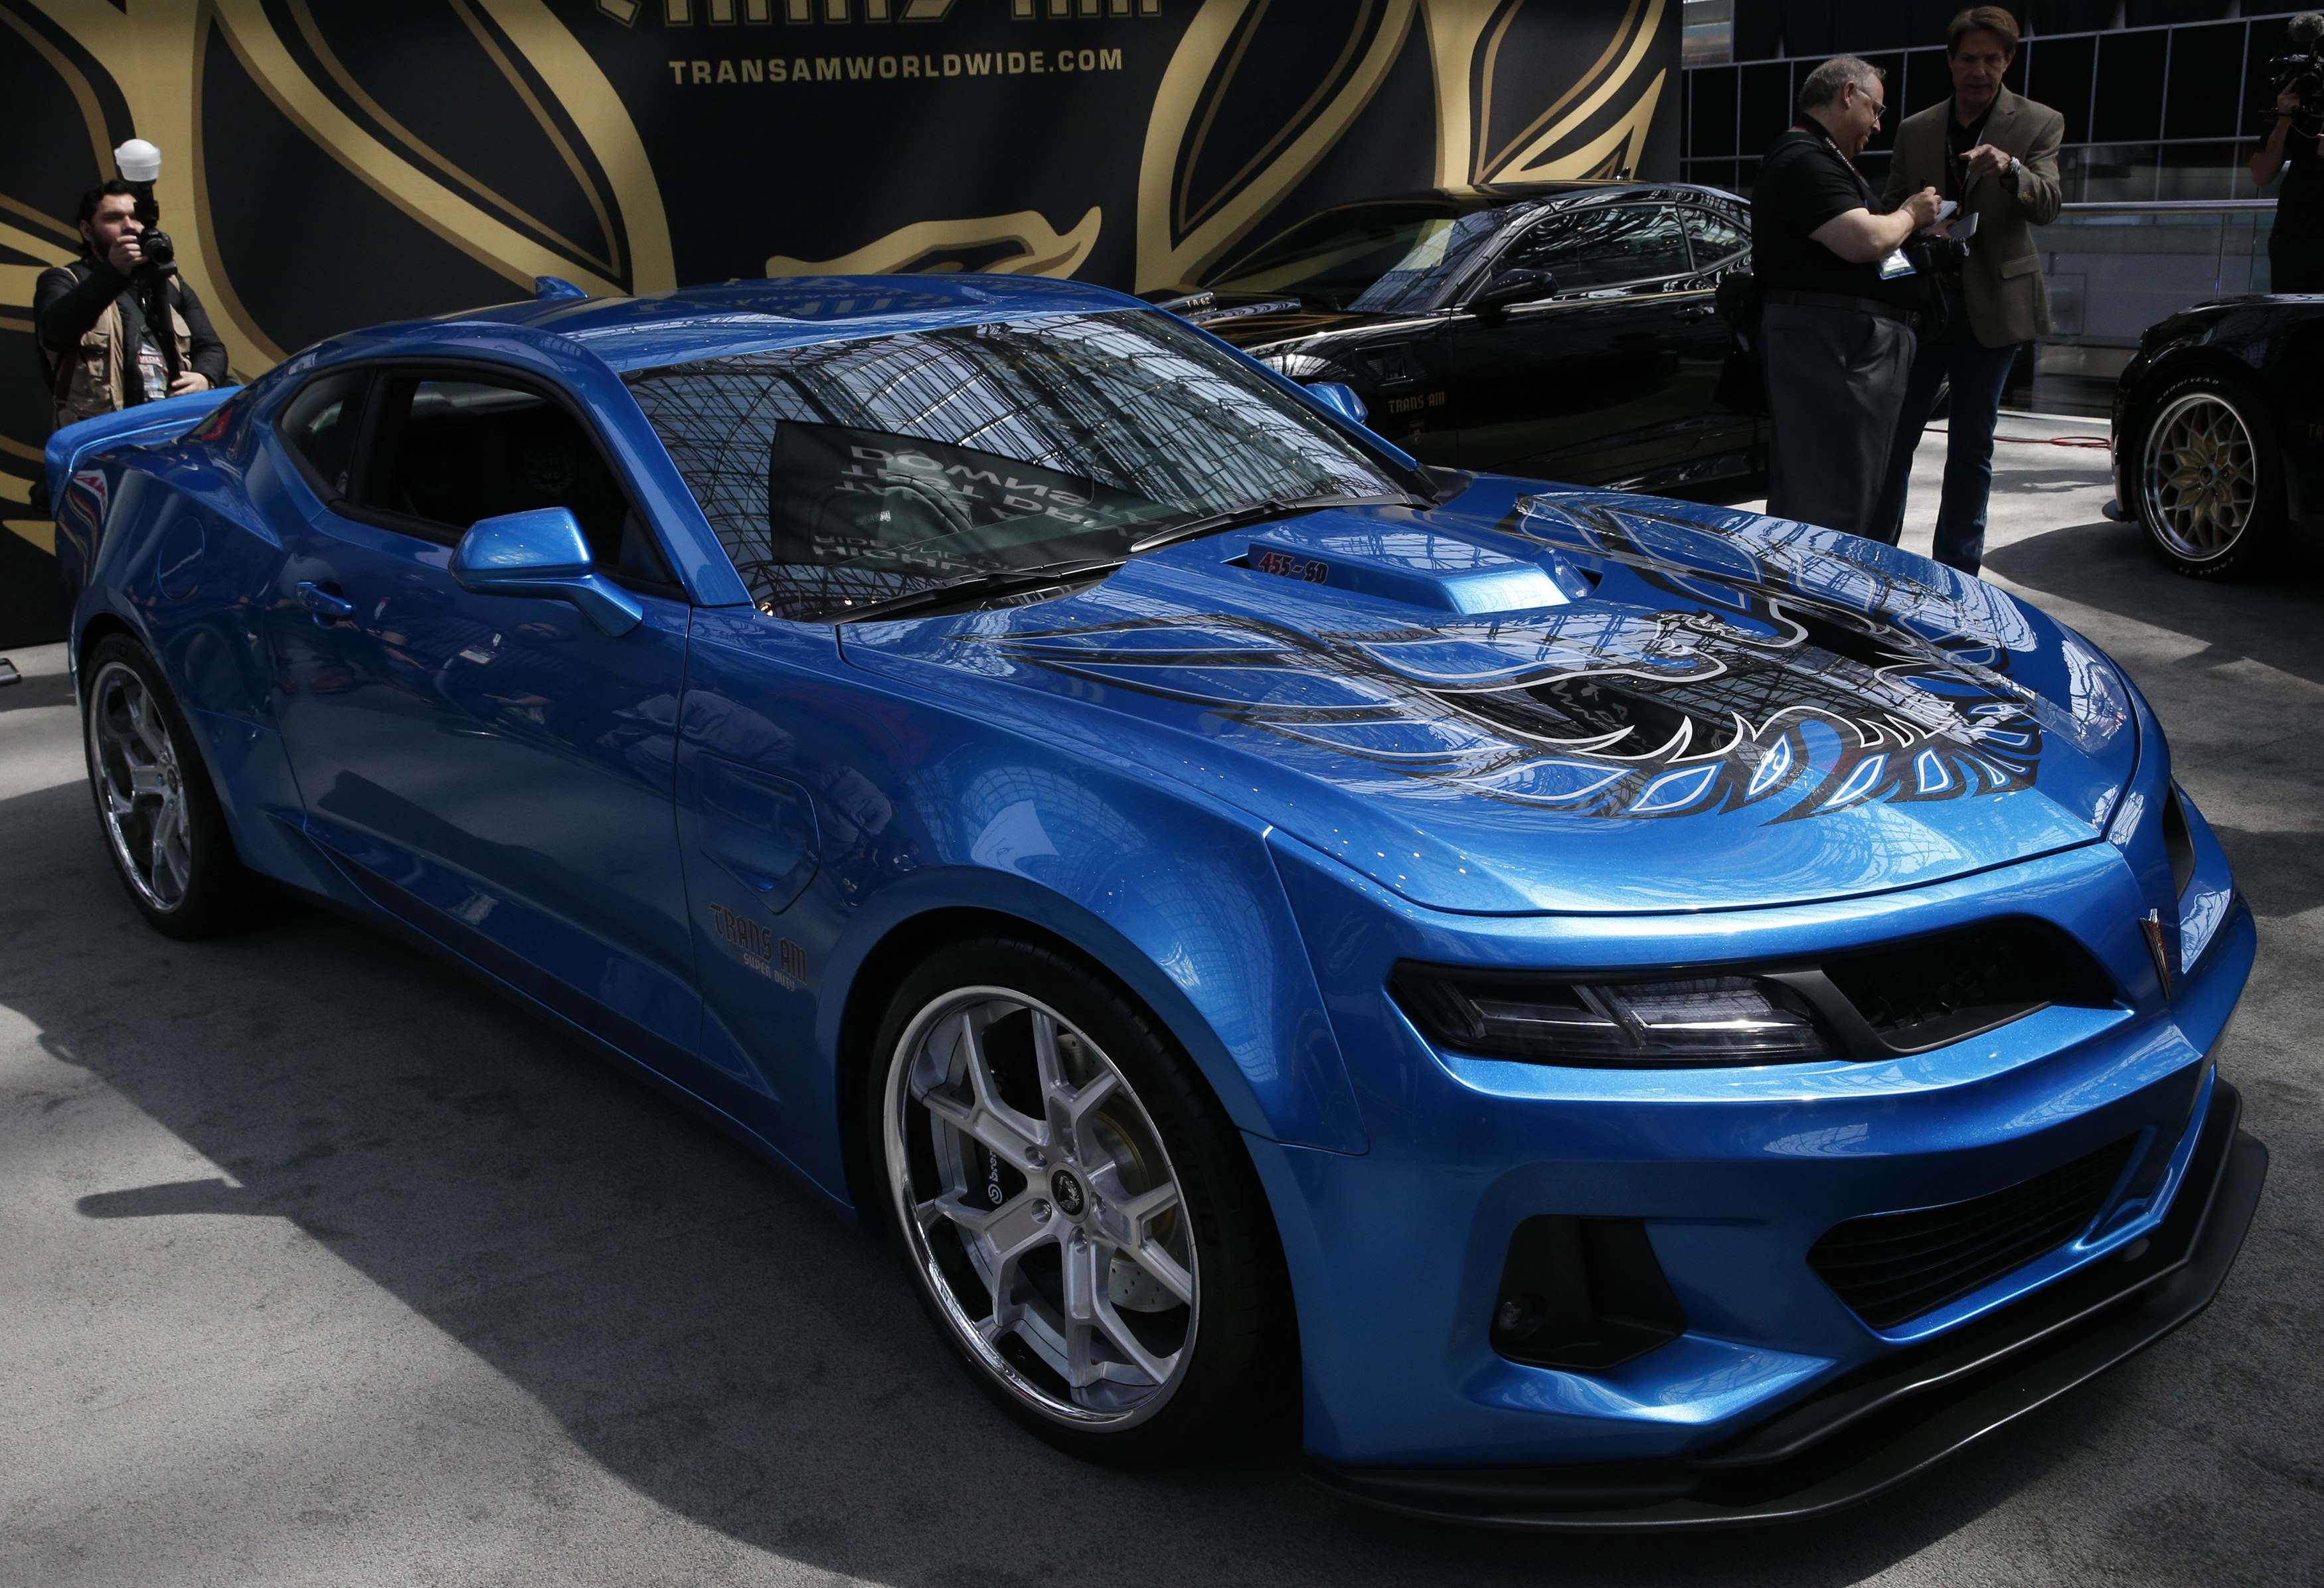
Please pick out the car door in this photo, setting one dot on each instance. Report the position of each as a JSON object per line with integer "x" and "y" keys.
{"x": 1596, "y": 383}
{"x": 494, "y": 769}
{"x": 1719, "y": 239}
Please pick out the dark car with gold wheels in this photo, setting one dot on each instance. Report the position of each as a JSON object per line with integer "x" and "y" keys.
{"x": 2219, "y": 433}
{"x": 1563, "y": 330}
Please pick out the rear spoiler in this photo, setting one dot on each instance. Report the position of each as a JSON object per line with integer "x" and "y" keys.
{"x": 148, "y": 421}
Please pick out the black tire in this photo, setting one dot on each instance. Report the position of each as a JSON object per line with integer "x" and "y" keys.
{"x": 216, "y": 893}
{"x": 2207, "y": 477}
{"x": 1238, "y": 1314}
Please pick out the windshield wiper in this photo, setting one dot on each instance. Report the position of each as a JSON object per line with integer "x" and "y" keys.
{"x": 999, "y": 582}
{"x": 1266, "y": 508}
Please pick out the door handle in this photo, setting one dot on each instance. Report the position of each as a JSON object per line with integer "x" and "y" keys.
{"x": 1696, "y": 311}
{"x": 324, "y": 600}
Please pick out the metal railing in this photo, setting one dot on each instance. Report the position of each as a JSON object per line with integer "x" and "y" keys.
{"x": 2165, "y": 205}
{"x": 2115, "y": 267}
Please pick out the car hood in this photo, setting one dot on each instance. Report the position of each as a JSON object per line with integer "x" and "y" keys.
{"x": 1556, "y": 699}
{"x": 1260, "y": 319}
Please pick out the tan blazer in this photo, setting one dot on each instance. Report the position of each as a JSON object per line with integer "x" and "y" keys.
{"x": 2008, "y": 299}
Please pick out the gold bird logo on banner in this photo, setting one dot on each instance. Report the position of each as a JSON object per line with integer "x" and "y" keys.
{"x": 1484, "y": 79}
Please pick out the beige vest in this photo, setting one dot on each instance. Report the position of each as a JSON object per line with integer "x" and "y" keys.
{"x": 91, "y": 378}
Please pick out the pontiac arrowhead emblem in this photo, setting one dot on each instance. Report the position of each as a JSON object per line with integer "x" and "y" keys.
{"x": 2152, "y": 924}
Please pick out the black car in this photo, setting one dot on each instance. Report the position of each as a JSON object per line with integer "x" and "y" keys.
{"x": 2219, "y": 433}
{"x": 1559, "y": 329}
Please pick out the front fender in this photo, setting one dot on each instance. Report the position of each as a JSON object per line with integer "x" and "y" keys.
{"x": 1224, "y": 972}
{"x": 921, "y": 805}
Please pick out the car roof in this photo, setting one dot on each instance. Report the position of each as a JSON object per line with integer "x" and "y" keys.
{"x": 741, "y": 317}
{"x": 1465, "y": 200}
{"x": 749, "y": 317}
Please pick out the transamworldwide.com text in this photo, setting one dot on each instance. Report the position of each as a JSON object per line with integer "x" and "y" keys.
{"x": 862, "y": 68}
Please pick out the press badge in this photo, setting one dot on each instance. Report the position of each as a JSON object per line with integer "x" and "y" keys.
{"x": 1895, "y": 266}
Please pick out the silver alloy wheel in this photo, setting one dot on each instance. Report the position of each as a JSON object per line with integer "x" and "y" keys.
{"x": 142, "y": 786}
{"x": 2199, "y": 477}
{"x": 1041, "y": 1208}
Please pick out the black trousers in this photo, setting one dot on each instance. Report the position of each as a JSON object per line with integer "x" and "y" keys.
{"x": 2295, "y": 265}
{"x": 1835, "y": 385}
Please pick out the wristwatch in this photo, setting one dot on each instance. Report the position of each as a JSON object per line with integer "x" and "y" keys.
{"x": 2015, "y": 165}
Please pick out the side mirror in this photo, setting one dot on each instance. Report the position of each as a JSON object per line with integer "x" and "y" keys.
{"x": 541, "y": 552}
{"x": 1518, "y": 285}
{"x": 1341, "y": 398}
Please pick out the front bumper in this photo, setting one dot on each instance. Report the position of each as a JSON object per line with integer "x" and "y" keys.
{"x": 1871, "y": 1430}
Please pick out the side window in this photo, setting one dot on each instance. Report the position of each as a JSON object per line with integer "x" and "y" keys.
{"x": 321, "y": 424}
{"x": 454, "y": 450}
{"x": 1603, "y": 247}
{"x": 1716, "y": 239}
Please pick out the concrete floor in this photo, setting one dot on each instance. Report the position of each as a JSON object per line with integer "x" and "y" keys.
{"x": 318, "y": 1264}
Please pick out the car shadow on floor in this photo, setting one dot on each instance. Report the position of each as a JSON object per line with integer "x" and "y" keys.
{"x": 2271, "y": 619}
{"x": 37, "y": 689}
{"x": 710, "y": 1333}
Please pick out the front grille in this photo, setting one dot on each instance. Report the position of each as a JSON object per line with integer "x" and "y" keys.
{"x": 2179, "y": 843}
{"x": 1893, "y": 1267}
{"x": 1946, "y": 987}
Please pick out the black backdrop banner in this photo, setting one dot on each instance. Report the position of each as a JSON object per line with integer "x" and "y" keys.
{"x": 333, "y": 163}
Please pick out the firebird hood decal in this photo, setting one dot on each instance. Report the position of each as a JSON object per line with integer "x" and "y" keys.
{"x": 1763, "y": 675}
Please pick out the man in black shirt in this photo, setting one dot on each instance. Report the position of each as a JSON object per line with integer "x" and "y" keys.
{"x": 2295, "y": 248}
{"x": 100, "y": 346}
{"x": 1837, "y": 332}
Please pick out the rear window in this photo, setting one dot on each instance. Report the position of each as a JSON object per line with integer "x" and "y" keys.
{"x": 322, "y": 425}
{"x": 1715, "y": 237}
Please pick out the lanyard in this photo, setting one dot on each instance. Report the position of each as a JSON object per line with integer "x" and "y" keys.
{"x": 1823, "y": 134}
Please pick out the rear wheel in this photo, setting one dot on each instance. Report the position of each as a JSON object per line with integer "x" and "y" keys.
{"x": 163, "y": 825}
{"x": 2209, "y": 478}
{"x": 1078, "y": 1213}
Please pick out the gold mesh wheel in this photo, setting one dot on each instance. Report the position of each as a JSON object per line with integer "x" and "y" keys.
{"x": 2199, "y": 482}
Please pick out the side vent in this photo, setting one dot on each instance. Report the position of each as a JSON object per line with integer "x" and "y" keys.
{"x": 1583, "y": 1294}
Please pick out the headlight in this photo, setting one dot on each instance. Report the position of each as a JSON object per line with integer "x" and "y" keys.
{"x": 1297, "y": 366}
{"x": 1702, "y": 1020}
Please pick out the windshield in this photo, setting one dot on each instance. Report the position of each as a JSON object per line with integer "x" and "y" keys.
{"x": 1386, "y": 258}
{"x": 848, "y": 473}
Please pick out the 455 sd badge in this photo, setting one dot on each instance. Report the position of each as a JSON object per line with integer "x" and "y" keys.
{"x": 779, "y": 959}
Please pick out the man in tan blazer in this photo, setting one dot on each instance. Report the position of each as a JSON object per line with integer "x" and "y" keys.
{"x": 1996, "y": 153}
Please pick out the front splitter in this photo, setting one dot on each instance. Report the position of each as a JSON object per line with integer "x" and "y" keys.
{"x": 1875, "y": 1428}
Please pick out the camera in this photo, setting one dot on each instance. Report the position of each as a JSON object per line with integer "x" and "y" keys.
{"x": 158, "y": 255}
{"x": 1937, "y": 256}
{"x": 2301, "y": 68}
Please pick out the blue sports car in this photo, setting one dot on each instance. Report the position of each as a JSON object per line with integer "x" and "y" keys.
{"x": 1625, "y": 1014}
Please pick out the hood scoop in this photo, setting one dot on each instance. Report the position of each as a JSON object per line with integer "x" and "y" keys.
{"x": 1415, "y": 567}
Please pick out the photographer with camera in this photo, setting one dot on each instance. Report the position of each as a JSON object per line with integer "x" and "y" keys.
{"x": 97, "y": 316}
{"x": 1994, "y": 153}
{"x": 2295, "y": 146}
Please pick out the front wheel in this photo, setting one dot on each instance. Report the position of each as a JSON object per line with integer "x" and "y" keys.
{"x": 2209, "y": 480}
{"x": 163, "y": 825}
{"x": 1078, "y": 1212}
